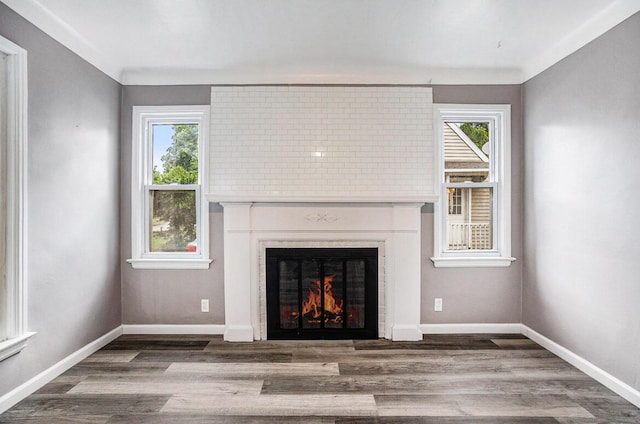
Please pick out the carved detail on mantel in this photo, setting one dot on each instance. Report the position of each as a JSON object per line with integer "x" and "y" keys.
{"x": 324, "y": 217}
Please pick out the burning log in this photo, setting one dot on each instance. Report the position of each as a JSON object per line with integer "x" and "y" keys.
{"x": 312, "y": 306}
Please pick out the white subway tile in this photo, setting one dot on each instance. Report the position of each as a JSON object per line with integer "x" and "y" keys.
{"x": 371, "y": 139}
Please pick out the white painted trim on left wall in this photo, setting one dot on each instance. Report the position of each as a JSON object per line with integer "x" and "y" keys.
{"x": 30, "y": 386}
{"x": 15, "y": 213}
{"x": 13, "y": 346}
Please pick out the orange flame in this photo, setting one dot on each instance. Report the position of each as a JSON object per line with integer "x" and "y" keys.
{"x": 313, "y": 303}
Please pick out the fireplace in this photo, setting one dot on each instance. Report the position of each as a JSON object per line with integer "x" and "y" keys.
{"x": 390, "y": 227}
{"x": 322, "y": 293}
{"x": 342, "y": 180}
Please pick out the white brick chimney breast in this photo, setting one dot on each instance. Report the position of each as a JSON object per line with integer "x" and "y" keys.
{"x": 321, "y": 166}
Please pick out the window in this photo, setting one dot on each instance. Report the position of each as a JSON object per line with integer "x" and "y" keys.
{"x": 169, "y": 216}
{"x": 455, "y": 201}
{"x": 472, "y": 220}
{"x": 13, "y": 171}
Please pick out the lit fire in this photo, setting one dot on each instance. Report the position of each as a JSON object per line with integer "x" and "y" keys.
{"x": 312, "y": 306}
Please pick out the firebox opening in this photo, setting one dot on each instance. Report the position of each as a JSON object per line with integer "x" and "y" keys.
{"x": 322, "y": 293}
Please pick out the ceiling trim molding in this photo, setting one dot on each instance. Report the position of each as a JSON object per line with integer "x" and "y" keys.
{"x": 46, "y": 20}
{"x": 59, "y": 30}
{"x": 581, "y": 36}
{"x": 363, "y": 76}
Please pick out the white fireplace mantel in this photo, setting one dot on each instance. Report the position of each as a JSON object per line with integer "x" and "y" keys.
{"x": 294, "y": 199}
{"x": 252, "y": 225}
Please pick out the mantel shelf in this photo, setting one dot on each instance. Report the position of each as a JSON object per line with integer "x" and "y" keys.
{"x": 216, "y": 198}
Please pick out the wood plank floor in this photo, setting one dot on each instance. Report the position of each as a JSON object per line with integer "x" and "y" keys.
{"x": 442, "y": 379}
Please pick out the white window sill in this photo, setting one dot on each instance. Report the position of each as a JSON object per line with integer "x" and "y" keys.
{"x": 472, "y": 262}
{"x": 170, "y": 263}
{"x": 13, "y": 346}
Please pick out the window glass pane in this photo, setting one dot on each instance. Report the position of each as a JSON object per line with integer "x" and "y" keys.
{"x": 455, "y": 201}
{"x": 175, "y": 153}
{"x": 173, "y": 220}
{"x": 469, "y": 218}
{"x": 467, "y": 147}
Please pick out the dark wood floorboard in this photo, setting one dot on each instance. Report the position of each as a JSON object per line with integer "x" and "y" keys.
{"x": 444, "y": 379}
{"x": 184, "y": 356}
{"x": 157, "y": 345}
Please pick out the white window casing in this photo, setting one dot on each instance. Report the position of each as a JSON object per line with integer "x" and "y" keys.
{"x": 14, "y": 208}
{"x": 499, "y": 119}
{"x": 142, "y": 185}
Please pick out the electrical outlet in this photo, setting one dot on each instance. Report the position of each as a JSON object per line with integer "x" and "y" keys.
{"x": 437, "y": 304}
{"x": 204, "y": 305}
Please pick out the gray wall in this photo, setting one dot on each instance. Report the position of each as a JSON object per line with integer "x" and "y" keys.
{"x": 73, "y": 203}
{"x": 478, "y": 295}
{"x": 471, "y": 295}
{"x": 582, "y": 257}
{"x": 156, "y": 296}
{"x": 581, "y": 275}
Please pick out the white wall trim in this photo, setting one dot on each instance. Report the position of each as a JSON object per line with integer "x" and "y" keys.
{"x": 477, "y": 262}
{"x": 593, "y": 371}
{"x": 239, "y": 333}
{"x": 170, "y": 263}
{"x": 27, "y": 388}
{"x": 611, "y": 16}
{"x": 406, "y": 333}
{"x": 514, "y": 328}
{"x": 13, "y": 346}
{"x": 16, "y": 190}
{"x": 36, "y": 13}
{"x": 213, "y": 329}
{"x": 363, "y": 76}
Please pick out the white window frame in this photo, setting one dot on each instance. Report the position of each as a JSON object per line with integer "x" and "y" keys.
{"x": 141, "y": 167}
{"x": 15, "y": 211}
{"x": 499, "y": 118}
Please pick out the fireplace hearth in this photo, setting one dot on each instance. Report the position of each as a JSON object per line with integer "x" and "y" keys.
{"x": 322, "y": 293}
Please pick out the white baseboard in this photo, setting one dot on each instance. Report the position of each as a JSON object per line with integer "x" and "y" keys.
{"x": 27, "y": 388}
{"x": 471, "y": 328}
{"x": 214, "y": 329}
{"x": 598, "y": 374}
{"x": 238, "y": 333}
{"x": 407, "y": 333}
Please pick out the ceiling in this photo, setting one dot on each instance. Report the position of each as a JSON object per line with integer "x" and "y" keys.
{"x": 324, "y": 41}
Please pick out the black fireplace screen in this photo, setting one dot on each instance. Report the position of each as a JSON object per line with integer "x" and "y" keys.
{"x": 322, "y": 293}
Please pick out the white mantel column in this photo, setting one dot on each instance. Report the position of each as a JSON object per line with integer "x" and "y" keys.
{"x": 237, "y": 272}
{"x": 404, "y": 274}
